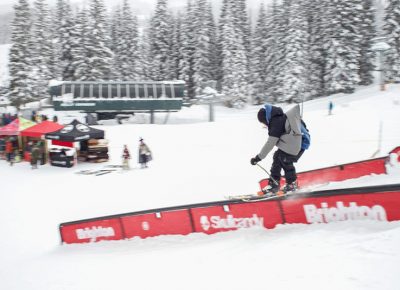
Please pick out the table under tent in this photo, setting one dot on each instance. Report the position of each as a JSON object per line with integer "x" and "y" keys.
{"x": 89, "y": 143}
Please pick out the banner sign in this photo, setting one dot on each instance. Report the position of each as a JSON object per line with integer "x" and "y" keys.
{"x": 327, "y": 209}
{"x": 157, "y": 223}
{"x": 235, "y": 216}
{"x": 107, "y": 229}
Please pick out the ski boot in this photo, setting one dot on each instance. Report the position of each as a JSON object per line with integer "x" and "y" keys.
{"x": 290, "y": 187}
{"x": 270, "y": 190}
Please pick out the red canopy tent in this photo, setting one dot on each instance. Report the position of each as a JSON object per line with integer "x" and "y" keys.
{"x": 37, "y": 131}
{"x": 15, "y": 127}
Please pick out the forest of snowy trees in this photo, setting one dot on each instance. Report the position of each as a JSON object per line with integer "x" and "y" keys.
{"x": 295, "y": 50}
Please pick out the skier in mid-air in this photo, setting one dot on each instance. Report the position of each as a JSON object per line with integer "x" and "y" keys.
{"x": 284, "y": 132}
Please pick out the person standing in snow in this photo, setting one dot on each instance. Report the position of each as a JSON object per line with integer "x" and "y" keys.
{"x": 35, "y": 155}
{"x": 125, "y": 158}
{"x": 9, "y": 152}
{"x": 144, "y": 154}
{"x": 289, "y": 148}
{"x": 330, "y": 108}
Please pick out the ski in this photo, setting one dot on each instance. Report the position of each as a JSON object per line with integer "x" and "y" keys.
{"x": 256, "y": 197}
{"x": 104, "y": 172}
{"x": 95, "y": 172}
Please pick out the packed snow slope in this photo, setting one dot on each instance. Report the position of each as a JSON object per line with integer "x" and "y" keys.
{"x": 198, "y": 161}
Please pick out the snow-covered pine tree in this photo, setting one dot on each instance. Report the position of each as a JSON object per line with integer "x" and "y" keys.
{"x": 115, "y": 29}
{"x": 258, "y": 56}
{"x": 20, "y": 57}
{"x": 188, "y": 50}
{"x": 144, "y": 59}
{"x": 41, "y": 49}
{"x": 98, "y": 53}
{"x": 244, "y": 26}
{"x": 176, "y": 57}
{"x": 316, "y": 18}
{"x": 160, "y": 32}
{"x": 294, "y": 80}
{"x": 172, "y": 54}
{"x": 276, "y": 52}
{"x": 234, "y": 59}
{"x": 54, "y": 61}
{"x": 65, "y": 24}
{"x": 212, "y": 42}
{"x": 127, "y": 43}
{"x": 367, "y": 33}
{"x": 202, "y": 66}
{"x": 392, "y": 32}
{"x": 343, "y": 47}
{"x": 79, "y": 48}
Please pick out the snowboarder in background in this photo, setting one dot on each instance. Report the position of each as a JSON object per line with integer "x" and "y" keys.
{"x": 125, "y": 158}
{"x": 289, "y": 148}
{"x": 330, "y": 107}
{"x": 144, "y": 154}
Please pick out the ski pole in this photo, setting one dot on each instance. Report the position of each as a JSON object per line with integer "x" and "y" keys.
{"x": 273, "y": 179}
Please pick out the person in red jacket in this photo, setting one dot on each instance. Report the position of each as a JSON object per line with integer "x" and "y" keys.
{"x": 9, "y": 151}
{"x": 125, "y": 158}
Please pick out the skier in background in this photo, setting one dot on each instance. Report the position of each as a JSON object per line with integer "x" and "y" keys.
{"x": 330, "y": 108}
{"x": 289, "y": 149}
{"x": 125, "y": 158}
{"x": 144, "y": 154}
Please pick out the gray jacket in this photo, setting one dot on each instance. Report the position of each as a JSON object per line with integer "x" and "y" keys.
{"x": 283, "y": 132}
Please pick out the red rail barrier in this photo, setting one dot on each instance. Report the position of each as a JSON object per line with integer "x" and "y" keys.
{"x": 341, "y": 172}
{"x": 374, "y": 202}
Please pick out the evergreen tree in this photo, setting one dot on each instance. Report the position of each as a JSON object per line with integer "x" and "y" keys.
{"x": 276, "y": 51}
{"x": 392, "y": 31}
{"x": 98, "y": 53}
{"x": 41, "y": 49}
{"x": 295, "y": 63}
{"x": 368, "y": 32}
{"x": 145, "y": 58}
{"x": 54, "y": 61}
{"x": 259, "y": 57}
{"x": 127, "y": 44}
{"x": 79, "y": 50}
{"x": 115, "y": 34}
{"x": 318, "y": 21}
{"x": 343, "y": 47}
{"x": 202, "y": 55}
{"x": 65, "y": 25}
{"x": 160, "y": 41}
{"x": 212, "y": 43}
{"x": 176, "y": 47}
{"x": 20, "y": 58}
{"x": 188, "y": 50}
{"x": 234, "y": 58}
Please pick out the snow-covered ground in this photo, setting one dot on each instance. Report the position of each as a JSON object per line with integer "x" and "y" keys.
{"x": 198, "y": 161}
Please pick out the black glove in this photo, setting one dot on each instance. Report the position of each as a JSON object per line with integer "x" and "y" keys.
{"x": 255, "y": 160}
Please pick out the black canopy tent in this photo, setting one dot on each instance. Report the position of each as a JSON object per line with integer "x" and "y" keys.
{"x": 75, "y": 132}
